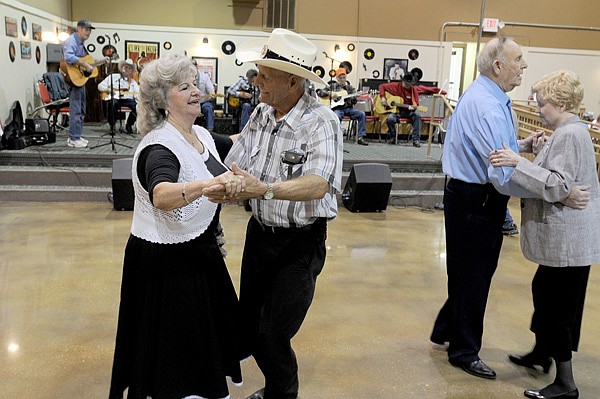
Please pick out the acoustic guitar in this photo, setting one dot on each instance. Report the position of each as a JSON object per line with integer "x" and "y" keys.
{"x": 76, "y": 75}
{"x": 214, "y": 95}
{"x": 394, "y": 105}
{"x": 341, "y": 95}
{"x": 105, "y": 94}
{"x": 235, "y": 102}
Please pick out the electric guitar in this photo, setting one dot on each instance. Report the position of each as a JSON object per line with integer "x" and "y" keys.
{"x": 235, "y": 102}
{"x": 214, "y": 95}
{"x": 105, "y": 94}
{"x": 394, "y": 105}
{"x": 76, "y": 75}
{"x": 343, "y": 96}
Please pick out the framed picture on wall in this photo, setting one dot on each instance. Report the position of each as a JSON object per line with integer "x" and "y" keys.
{"x": 10, "y": 24}
{"x": 208, "y": 65}
{"x": 25, "y": 50}
{"x": 141, "y": 52}
{"x": 36, "y": 32}
{"x": 394, "y": 68}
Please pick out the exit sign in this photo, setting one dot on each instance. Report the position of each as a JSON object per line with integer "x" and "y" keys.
{"x": 490, "y": 25}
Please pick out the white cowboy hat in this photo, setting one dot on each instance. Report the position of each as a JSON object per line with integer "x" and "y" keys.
{"x": 128, "y": 61}
{"x": 285, "y": 51}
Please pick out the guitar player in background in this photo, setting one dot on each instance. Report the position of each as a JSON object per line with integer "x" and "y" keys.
{"x": 207, "y": 94}
{"x": 245, "y": 95}
{"x": 408, "y": 93}
{"x": 121, "y": 90}
{"x": 341, "y": 89}
{"x": 75, "y": 55}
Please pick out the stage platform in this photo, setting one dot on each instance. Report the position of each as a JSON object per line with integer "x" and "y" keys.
{"x": 56, "y": 172}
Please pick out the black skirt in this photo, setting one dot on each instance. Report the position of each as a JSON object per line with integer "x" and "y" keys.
{"x": 177, "y": 322}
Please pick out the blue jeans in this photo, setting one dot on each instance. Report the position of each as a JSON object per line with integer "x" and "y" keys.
{"x": 247, "y": 109}
{"x": 508, "y": 220}
{"x": 208, "y": 110}
{"x": 76, "y": 111}
{"x": 354, "y": 114}
{"x": 392, "y": 119}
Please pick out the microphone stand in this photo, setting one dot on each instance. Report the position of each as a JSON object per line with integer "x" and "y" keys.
{"x": 111, "y": 109}
{"x": 330, "y": 77}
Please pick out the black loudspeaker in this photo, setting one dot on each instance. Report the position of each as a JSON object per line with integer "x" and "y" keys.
{"x": 122, "y": 184}
{"x": 368, "y": 188}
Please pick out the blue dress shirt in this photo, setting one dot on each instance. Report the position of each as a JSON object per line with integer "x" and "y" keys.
{"x": 481, "y": 123}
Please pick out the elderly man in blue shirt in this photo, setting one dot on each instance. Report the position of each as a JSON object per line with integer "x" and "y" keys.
{"x": 475, "y": 200}
{"x": 76, "y": 55}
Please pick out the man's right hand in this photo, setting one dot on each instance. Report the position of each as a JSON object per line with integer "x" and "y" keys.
{"x": 578, "y": 197}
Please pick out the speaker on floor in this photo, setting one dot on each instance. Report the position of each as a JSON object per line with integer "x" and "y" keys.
{"x": 122, "y": 185}
{"x": 368, "y": 188}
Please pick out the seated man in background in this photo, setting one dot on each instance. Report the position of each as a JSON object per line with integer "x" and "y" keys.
{"x": 207, "y": 94}
{"x": 121, "y": 92}
{"x": 343, "y": 97}
{"x": 409, "y": 92}
{"x": 246, "y": 94}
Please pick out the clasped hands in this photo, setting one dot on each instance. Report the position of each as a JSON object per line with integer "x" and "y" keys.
{"x": 233, "y": 186}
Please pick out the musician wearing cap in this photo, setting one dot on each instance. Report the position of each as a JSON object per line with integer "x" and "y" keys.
{"x": 408, "y": 93}
{"x": 341, "y": 96}
{"x": 291, "y": 150}
{"x": 76, "y": 56}
{"x": 121, "y": 90}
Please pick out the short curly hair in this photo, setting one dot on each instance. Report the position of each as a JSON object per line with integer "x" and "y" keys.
{"x": 155, "y": 81}
{"x": 561, "y": 88}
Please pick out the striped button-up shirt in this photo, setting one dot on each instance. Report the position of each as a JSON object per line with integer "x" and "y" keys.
{"x": 310, "y": 127}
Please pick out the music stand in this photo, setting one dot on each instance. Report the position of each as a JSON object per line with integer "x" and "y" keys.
{"x": 113, "y": 143}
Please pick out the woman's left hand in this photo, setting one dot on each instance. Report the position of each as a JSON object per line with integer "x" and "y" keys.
{"x": 233, "y": 184}
{"x": 504, "y": 157}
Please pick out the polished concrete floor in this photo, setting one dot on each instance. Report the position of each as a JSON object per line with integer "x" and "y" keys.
{"x": 366, "y": 335}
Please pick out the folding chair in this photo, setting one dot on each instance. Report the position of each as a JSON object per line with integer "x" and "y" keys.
{"x": 53, "y": 108}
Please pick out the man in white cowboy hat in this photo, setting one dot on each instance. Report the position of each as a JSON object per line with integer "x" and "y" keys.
{"x": 121, "y": 90}
{"x": 291, "y": 149}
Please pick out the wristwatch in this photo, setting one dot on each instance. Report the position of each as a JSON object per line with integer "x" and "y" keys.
{"x": 270, "y": 191}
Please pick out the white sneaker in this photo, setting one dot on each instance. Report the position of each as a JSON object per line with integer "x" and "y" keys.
{"x": 84, "y": 140}
{"x": 80, "y": 143}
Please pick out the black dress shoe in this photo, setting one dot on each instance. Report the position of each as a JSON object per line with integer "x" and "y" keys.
{"x": 479, "y": 369}
{"x": 537, "y": 395}
{"x": 416, "y": 144}
{"x": 361, "y": 141}
{"x": 260, "y": 394}
{"x": 530, "y": 360}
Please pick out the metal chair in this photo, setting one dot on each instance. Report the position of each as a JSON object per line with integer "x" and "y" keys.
{"x": 53, "y": 108}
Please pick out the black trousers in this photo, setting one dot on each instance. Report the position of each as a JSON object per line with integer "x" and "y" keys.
{"x": 278, "y": 278}
{"x": 474, "y": 214}
{"x": 558, "y": 299}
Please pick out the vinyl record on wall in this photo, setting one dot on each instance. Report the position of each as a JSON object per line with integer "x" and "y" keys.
{"x": 11, "y": 52}
{"x": 100, "y": 39}
{"x": 167, "y": 45}
{"x": 238, "y": 63}
{"x": 351, "y": 47}
{"x": 417, "y": 73}
{"x": 319, "y": 71}
{"x": 413, "y": 54}
{"x": 228, "y": 47}
{"x": 332, "y": 73}
{"x": 38, "y": 54}
{"x": 91, "y": 48}
{"x": 369, "y": 53}
{"x": 375, "y": 74}
{"x": 347, "y": 66}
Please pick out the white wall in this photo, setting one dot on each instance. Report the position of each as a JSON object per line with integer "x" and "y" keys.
{"x": 17, "y": 79}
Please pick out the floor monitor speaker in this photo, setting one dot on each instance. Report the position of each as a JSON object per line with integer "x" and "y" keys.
{"x": 122, "y": 184}
{"x": 368, "y": 188}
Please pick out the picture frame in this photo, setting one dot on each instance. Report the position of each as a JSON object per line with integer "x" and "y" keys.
{"x": 209, "y": 65}
{"x": 10, "y": 26}
{"x": 141, "y": 52}
{"x": 25, "y": 50}
{"x": 36, "y": 31}
{"x": 394, "y": 68}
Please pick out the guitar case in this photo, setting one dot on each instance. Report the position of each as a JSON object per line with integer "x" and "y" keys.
{"x": 14, "y": 137}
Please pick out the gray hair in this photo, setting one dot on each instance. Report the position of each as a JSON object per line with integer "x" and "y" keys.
{"x": 560, "y": 88}
{"x": 494, "y": 50}
{"x": 155, "y": 81}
